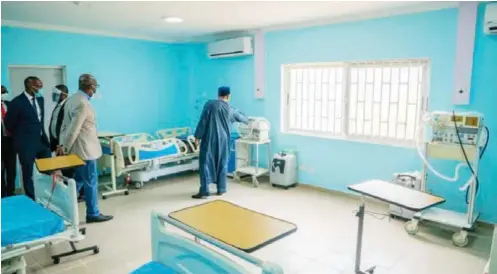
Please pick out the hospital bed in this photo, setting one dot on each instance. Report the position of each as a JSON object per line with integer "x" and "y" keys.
{"x": 143, "y": 157}
{"x": 28, "y": 225}
{"x": 172, "y": 253}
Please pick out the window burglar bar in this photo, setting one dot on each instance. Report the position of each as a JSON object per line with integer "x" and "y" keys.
{"x": 365, "y": 101}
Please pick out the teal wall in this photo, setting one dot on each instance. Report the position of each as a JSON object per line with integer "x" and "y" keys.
{"x": 148, "y": 85}
{"x": 335, "y": 164}
{"x": 141, "y": 82}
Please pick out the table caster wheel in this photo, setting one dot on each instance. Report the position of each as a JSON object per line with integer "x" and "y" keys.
{"x": 138, "y": 185}
{"x": 411, "y": 227}
{"x": 126, "y": 193}
{"x": 56, "y": 260}
{"x": 104, "y": 197}
{"x": 96, "y": 250}
{"x": 460, "y": 238}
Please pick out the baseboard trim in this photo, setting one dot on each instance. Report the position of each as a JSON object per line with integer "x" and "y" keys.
{"x": 358, "y": 197}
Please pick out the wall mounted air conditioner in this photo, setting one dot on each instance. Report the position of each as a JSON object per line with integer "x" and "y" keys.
{"x": 230, "y": 48}
{"x": 490, "y": 24}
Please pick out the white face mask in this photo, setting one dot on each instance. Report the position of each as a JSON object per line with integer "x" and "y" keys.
{"x": 5, "y": 96}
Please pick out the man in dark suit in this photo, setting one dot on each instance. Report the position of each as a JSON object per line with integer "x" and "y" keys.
{"x": 8, "y": 154}
{"x": 59, "y": 97}
{"x": 24, "y": 121}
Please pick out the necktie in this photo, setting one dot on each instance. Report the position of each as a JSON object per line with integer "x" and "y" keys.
{"x": 34, "y": 106}
{"x": 4, "y": 130}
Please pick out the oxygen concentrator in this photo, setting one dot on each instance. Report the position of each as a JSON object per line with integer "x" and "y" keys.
{"x": 457, "y": 137}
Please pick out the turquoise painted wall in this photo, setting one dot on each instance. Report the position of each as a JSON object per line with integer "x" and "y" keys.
{"x": 335, "y": 164}
{"x": 141, "y": 82}
{"x": 148, "y": 85}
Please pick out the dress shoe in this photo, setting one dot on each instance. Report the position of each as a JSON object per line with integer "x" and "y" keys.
{"x": 200, "y": 196}
{"x": 98, "y": 219}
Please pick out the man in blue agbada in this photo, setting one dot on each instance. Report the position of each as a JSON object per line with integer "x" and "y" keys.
{"x": 214, "y": 133}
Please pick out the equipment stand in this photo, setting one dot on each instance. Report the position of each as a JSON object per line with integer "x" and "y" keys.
{"x": 360, "y": 214}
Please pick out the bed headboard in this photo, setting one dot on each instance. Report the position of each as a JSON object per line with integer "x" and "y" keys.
{"x": 63, "y": 201}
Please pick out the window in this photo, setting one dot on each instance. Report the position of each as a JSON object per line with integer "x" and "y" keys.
{"x": 377, "y": 102}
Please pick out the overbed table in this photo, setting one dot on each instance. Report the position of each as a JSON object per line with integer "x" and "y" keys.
{"x": 390, "y": 193}
{"x": 108, "y": 159}
{"x": 233, "y": 225}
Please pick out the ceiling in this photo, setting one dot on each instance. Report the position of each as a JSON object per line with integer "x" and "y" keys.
{"x": 143, "y": 20}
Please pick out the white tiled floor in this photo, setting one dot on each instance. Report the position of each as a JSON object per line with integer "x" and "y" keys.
{"x": 324, "y": 242}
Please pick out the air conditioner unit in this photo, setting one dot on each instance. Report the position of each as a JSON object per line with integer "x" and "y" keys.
{"x": 490, "y": 24}
{"x": 230, "y": 48}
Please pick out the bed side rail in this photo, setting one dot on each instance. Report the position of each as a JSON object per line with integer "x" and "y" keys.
{"x": 120, "y": 148}
{"x": 155, "y": 150}
{"x": 173, "y": 132}
{"x": 52, "y": 192}
{"x": 161, "y": 235}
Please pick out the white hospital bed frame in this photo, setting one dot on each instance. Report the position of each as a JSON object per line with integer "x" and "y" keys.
{"x": 143, "y": 170}
{"x": 64, "y": 203}
{"x": 179, "y": 252}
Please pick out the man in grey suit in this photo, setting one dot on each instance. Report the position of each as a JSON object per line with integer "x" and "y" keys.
{"x": 79, "y": 136}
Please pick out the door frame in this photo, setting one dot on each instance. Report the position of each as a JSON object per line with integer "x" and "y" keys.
{"x": 63, "y": 68}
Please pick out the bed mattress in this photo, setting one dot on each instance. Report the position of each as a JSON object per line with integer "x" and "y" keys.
{"x": 24, "y": 220}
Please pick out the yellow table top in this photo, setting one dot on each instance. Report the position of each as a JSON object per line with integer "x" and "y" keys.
{"x": 239, "y": 227}
{"x": 59, "y": 162}
{"x": 411, "y": 199}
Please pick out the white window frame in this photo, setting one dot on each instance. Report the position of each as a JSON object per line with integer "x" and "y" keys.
{"x": 285, "y": 100}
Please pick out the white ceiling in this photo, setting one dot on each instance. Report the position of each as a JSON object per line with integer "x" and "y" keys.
{"x": 144, "y": 19}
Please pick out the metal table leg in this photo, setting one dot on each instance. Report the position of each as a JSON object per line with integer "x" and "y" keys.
{"x": 113, "y": 190}
{"x": 254, "y": 179}
{"x": 360, "y": 215}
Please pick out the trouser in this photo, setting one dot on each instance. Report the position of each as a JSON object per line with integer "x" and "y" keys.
{"x": 8, "y": 167}
{"x": 27, "y": 161}
{"x": 86, "y": 177}
{"x": 211, "y": 175}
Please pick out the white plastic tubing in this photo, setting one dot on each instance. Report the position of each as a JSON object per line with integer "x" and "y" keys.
{"x": 455, "y": 178}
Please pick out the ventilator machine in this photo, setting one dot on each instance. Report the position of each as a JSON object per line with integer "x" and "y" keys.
{"x": 457, "y": 137}
{"x": 257, "y": 129}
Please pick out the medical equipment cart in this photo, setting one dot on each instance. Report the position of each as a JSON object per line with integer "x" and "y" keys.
{"x": 108, "y": 158}
{"x": 455, "y": 137}
{"x": 244, "y": 159}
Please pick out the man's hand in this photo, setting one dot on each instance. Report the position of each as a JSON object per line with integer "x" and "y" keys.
{"x": 59, "y": 151}
{"x": 57, "y": 173}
